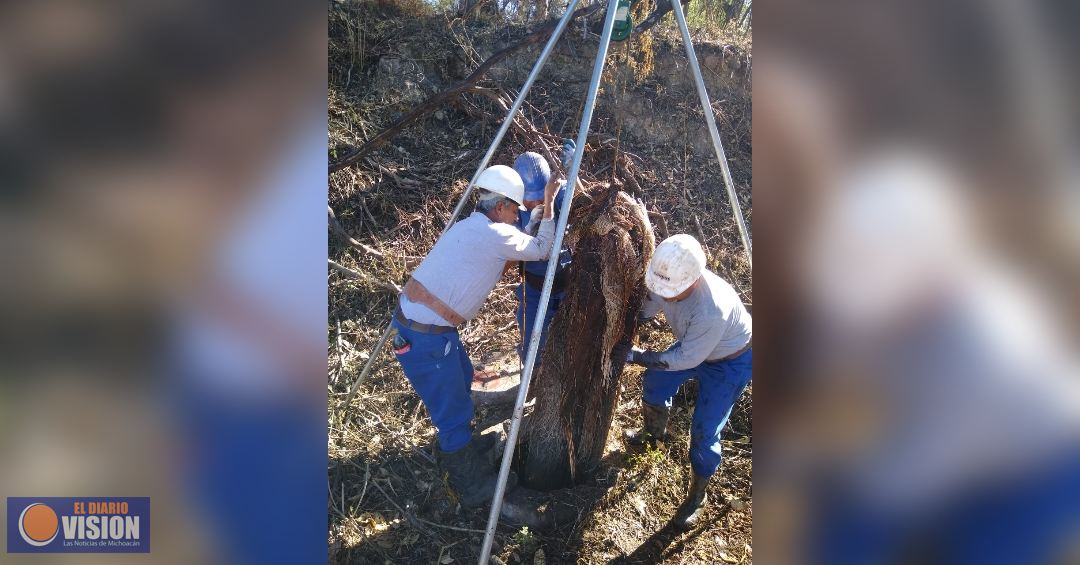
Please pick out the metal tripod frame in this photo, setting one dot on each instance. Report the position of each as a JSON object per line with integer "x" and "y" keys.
{"x": 564, "y": 214}
{"x": 714, "y": 134}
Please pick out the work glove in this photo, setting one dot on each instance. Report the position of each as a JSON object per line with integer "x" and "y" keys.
{"x": 535, "y": 215}
{"x": 648, "y": 359}
{"x": 568, "y": 148}
{"x": 621, "y": 352}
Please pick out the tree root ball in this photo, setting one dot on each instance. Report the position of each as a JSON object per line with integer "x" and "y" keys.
{"x": 576, "y": 383}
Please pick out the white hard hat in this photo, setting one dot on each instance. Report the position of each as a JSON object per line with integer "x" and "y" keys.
{"x": 896, "y": 234}
{"x": 503, "y": 180}
{"x": 676, "y": 264}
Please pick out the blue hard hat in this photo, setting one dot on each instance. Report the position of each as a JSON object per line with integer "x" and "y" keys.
{"x": 534, "y": 172}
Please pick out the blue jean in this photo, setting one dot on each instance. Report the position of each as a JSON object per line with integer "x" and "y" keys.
{"x": 720, "y": 385}
{"x": 225, "y": 440}
{"x": 528, "y": 302}
{"x": 1026, "y": 519}
{"x": 440, "y": 371}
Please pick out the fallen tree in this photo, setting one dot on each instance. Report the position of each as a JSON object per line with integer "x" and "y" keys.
{"x": 576, "y": 385}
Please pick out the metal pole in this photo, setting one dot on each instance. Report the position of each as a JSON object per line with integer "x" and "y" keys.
{"x": 549, "y": 277}
{"x": 370, "y": 363}
{"x": 714, "y": 134}
{"x": 513, "y": 110}
{"x": 483, "y": 165}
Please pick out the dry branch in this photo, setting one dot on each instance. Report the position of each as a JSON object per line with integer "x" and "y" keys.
{"x": 409, "y": 517}
{"x": 701, "y": 236}
{"x": 521, "y": 122}
{"x": 661, "y": 224}
{"x": 662, "y": 8}
{"x": 340, "y": 353}
{"x": 390, "y": 287}
{"x": 339, "y": 231}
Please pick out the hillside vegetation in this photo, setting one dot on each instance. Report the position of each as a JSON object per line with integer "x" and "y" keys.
{"x": 386, "y": 501}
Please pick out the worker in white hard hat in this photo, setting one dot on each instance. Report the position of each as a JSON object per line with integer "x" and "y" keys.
{"x": 447, "y": 289}
{"x": 714, "y": 332}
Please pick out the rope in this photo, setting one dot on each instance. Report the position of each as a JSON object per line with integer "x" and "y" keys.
{"x": 618, "y": 121}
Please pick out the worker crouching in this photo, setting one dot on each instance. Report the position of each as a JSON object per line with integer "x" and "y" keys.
{"x": 447, "y": 289}
{"x": 714, "y": 332}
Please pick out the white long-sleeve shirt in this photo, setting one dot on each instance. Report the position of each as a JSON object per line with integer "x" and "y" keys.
{"x": 466, "y": 264}
{"x": 710, "y": 324}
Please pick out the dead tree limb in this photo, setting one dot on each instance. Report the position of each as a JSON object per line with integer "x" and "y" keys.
{"x": 662, "y": 8}
{"x": 661, "y": 223}
{"x": 339, "y": 231}
{"x": 340, "y": 353}
{"x": 521, "y": 122}
{"x": 701, "y": 236}
{"x": 438, "y": 100}
{"x": 389, "y": 287}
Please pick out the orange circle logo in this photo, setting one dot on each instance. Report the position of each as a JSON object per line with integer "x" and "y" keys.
{"x": 38, "y": 524}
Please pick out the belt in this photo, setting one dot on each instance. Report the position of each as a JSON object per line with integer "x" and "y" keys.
{"x": 422, "y": 328}
{"x": 537, "y": 281}
{"x": 417, "y": 292}
{"x": 744, "y": 349}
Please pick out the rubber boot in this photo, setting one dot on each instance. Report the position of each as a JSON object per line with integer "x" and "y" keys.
{"x": 483, "y": 442}
{"x": 471, "y": 477}
{"x": 654, "y": 428}
{"x": 691, "y": 509}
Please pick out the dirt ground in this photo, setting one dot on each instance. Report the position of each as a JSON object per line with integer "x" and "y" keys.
{"x": 386, "y": 501}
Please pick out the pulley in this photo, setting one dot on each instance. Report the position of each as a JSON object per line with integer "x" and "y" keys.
{"x": 624, "y": 23}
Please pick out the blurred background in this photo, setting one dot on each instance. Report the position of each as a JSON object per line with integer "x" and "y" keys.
{"x": 164, "y": 293}
{"x": 163, "y": 174}
{"x": 916, "y": 183}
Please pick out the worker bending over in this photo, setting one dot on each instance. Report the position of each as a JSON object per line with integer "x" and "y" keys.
{"x": 536, "y": 175}
{"x": 447, "y": 289}
{"x": 714, "y": 331}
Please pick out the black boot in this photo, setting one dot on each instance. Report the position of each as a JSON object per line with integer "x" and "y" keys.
{"x": 471, "y": 477}
{"x": 654, "y": 428}
{"x": 686, "y": 517}
{"x": 484, "y": 442}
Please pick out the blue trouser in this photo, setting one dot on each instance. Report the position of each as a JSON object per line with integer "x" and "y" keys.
{"x": 225, "y": 439}
{"x": 720, "y": 385}
{"x": 440, "y": 371}
{"x": 1031, "y": 519}
{"x": 528, "y": 301}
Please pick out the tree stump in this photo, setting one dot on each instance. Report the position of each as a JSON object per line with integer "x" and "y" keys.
{"x": 576, "y": 385}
